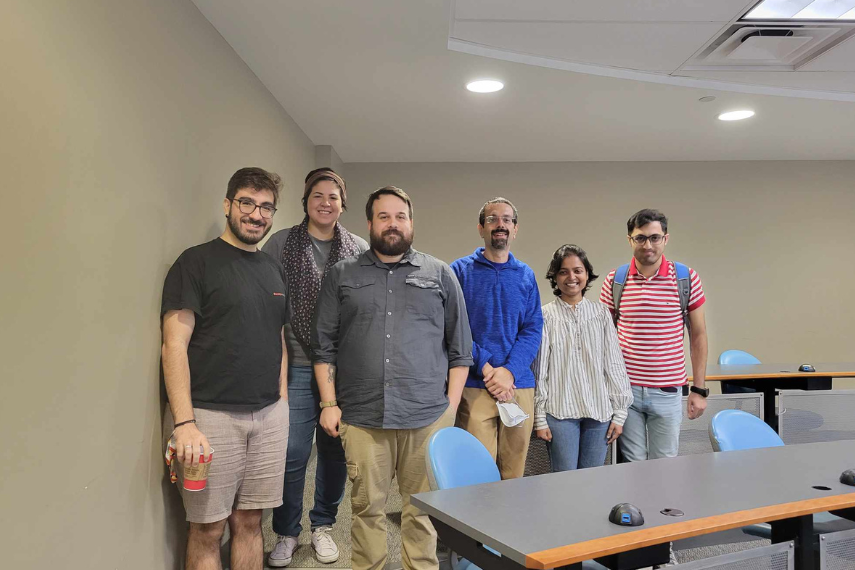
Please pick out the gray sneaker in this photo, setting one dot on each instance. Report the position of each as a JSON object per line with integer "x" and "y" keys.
{"x": 326, "y": 550}
{"x": 282, "y": 552}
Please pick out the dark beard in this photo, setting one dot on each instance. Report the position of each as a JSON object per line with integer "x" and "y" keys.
{"x": 234, "y": 225}
{"x": 498, "y": 242}
{"x": 398, "y": 247}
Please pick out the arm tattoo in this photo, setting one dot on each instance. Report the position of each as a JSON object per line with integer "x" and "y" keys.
{"x": 331, "y": 377}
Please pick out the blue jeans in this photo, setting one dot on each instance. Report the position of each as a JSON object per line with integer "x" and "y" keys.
{"x": 576, "y": 443}
{"x": 652, "y": 428}
{"x": 303, "y": 399}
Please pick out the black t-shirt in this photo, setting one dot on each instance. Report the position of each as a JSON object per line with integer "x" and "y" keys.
{"x": 241, "y": 302}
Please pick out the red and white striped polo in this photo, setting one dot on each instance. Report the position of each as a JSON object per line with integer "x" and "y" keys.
{"x": 650, "y": 328}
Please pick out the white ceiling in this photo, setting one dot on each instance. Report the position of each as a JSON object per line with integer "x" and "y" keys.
{"x": 376, "y": 80}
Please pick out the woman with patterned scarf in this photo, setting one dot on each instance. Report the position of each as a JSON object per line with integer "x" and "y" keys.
{"x": 306, "y": 252}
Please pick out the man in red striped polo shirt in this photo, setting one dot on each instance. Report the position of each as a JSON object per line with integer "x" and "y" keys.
{"x": 650, "y": 330}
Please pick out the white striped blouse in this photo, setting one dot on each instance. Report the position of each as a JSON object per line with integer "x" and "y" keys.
{"x": 580, "y": 369}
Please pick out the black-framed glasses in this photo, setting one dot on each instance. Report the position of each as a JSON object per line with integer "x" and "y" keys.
{"x": 654, "y": 239}
{"x": 507, "y": 220}
{"x": 247, "y": 206}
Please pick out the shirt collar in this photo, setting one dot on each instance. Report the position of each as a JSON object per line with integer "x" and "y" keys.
{"x": 413, "y": 257}
{"x": 663, "y": 268}
{"x": 510, "y": 264}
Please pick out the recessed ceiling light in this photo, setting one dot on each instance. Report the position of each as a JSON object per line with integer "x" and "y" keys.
{"x": 736, "y": 115}
{"x": 485, "y": 86}
{"x": 803, "y": 10}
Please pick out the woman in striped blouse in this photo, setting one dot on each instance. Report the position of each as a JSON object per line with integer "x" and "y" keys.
{"x": 583, "y": 392}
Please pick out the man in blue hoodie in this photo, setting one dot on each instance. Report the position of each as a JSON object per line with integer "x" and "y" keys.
{"x": 504, "y": 314}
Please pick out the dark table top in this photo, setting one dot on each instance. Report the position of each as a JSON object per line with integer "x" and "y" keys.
{"x": 777, "y": 370}
{"x": 562, "y": 518}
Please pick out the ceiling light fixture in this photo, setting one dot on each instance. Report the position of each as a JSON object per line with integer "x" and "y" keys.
{"x": 803, "y": 10}
{"x": 485, "y": 86}
{"x": 736, "y": 115}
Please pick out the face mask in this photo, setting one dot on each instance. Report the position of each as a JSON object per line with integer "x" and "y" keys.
{"x": 511, "y": 413}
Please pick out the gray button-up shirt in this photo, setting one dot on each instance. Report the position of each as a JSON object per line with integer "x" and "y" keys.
{"x": 392, "y": 331}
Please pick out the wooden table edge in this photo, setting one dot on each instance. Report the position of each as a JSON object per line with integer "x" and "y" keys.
{"x": 573, "y": 553}
{"x": 818, "y": 374}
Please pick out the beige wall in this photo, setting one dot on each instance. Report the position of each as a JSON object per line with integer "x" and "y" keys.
{"x": 120, "y": 124}
{"x": 773, "y": 241}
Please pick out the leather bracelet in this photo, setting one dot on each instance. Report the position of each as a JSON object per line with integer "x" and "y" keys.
{"x": 179, "y": 424}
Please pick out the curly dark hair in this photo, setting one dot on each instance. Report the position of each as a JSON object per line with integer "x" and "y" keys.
{"x": 558, "y": 258}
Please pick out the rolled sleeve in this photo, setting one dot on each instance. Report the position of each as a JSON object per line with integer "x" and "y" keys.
{"x": 458, "y": 335}
{"x": 327, "y": 321}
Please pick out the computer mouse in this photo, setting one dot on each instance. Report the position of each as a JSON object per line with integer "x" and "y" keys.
{"x": 848, "y": 477}
{"x": 806, "y": 368}
{"x": 626, "y": 514}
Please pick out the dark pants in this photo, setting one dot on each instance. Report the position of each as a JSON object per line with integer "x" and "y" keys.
{"x": 303, "y": 399}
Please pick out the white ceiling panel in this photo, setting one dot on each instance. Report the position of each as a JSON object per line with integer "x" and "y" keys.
{"x": 602, "y": 10}
{"x": 831, "y": 81}
{"x": 375, "y": 79}
{"x": 839, "y": 58}
{"x": 648, "y": 47}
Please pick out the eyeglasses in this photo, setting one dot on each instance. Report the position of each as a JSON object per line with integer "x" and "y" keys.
{"x": 654, "y": 239}
{"x": 247, "y": 206}
{"x": 507, "y": 220}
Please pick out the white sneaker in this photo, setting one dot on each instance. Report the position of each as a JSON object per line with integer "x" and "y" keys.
{"x": 326, "y": 550}
{"x": 282, "y": 552}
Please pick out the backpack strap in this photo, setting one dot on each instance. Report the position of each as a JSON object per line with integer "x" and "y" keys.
{"x": 617, "y": 288}
{"x": 684, "y": 288}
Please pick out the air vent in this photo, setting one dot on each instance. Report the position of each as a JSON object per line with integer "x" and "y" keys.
{"x": 767, "y": 48}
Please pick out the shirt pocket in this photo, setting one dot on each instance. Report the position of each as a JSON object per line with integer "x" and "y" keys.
{"x": 424, "y": 298}
{"x": 358, "y": 297}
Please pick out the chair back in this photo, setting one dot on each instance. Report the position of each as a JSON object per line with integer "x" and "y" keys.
{"x": 731, "y": 430}
{"x": 455, "y": 458}
{"x": 737, "y": 357}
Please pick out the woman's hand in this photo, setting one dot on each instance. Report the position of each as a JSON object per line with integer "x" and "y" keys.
{"x": 544, "y": 434}
{"x": 613, "y": 432}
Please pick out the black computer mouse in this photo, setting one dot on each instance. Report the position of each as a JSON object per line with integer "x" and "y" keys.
{"x": 848, "y": 477}
{"x": 626, "y": 514}
{"x": 806, "y": 368}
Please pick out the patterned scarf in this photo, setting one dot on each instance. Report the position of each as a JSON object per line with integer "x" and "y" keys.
{"x": 304, "y": 277}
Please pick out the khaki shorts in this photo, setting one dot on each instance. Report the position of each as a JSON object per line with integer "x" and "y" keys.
{"x": 248, "y": 469}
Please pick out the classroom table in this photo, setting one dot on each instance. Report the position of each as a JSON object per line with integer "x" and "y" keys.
{"x": 772, "y": 377}
{"x": 558, "y": 520}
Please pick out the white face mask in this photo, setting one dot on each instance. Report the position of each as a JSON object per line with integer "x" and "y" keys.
{"x": 511, "y": 413}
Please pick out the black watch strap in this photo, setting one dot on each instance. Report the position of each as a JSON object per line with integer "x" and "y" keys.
{"x": 702, "y": 391}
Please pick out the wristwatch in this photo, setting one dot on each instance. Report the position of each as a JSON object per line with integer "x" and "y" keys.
{"x": 702, "y": 391}
{"x": 335, "y": 403}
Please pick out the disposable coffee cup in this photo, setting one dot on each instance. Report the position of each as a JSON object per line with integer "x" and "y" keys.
{"x": 196, "y": 476}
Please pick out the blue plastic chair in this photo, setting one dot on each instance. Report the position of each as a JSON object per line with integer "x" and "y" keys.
{"x": 731, "y": 430}
{"x": 738, "y": 357}
{"x": 455, "y": 458}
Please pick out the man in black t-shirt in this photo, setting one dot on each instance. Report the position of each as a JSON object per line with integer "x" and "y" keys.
{"x": 225, "y": 368}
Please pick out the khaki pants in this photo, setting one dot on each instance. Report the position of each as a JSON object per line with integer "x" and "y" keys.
{"x": 374, "y": 457}
{"x": 479, "y": 416}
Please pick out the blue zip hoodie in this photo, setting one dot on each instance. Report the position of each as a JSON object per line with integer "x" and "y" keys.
{"x": 504, "y": 314}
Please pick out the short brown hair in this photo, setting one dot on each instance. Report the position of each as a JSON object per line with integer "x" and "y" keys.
{"x": 319, "y": 174}
{"x": 392, "y": 191}
{"x": 255, "y": 178}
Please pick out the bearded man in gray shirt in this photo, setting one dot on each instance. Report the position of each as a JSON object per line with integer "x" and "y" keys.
{"x": 392, "y": 349}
